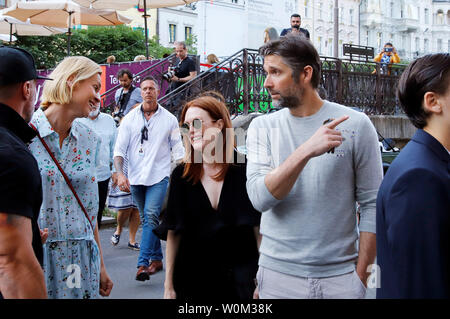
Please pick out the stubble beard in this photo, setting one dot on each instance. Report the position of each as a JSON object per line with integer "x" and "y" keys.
{"x": 290, "y": 101}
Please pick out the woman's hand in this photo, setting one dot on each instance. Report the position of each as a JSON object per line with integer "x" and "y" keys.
{"x": 169, "y": 293}
{"x": 44, "y": 235}
{"x": 106, "y": 283}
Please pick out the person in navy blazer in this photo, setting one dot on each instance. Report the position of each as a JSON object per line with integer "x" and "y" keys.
{"x": 413, "y": 204}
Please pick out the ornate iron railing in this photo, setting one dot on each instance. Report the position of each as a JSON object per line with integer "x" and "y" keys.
{"x": 157, "y": 71}
{"x": 240, "y": 78}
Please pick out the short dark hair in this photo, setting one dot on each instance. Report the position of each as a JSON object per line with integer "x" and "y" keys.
{"x": 182, "y": 43}
{"x": 430, "y": 73}
{"x": 150, "y": 78}
{"x": 297, "y": 52}
{"x": 388, "y": 43}
{"x": 295, "y": 15}
{"x": 122, "y": 72}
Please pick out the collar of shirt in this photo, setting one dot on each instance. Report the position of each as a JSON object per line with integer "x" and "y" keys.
{"x": 44, "y": 127}
{"x": 11, "y": 120}
{"x": 156, "y": 114}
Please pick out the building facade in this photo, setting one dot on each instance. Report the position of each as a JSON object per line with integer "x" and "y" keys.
{"x": 177, "y": 24}
{"x": 318, "y": 19}
{"x": 414, "y": 28}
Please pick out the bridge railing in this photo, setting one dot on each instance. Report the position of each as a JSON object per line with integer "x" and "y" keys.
{"x": 240, "y": 78}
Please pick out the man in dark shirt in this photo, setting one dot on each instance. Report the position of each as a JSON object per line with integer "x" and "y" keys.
{"x": 185, "y": 70}
{"x": 21, "y": 256}
{"x": 128, "y": 95}
{"x": 296, "y": 21}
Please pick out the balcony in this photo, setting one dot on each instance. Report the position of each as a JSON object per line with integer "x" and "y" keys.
{"x": 439, "y": 28}
{"x": 407, "y": 24}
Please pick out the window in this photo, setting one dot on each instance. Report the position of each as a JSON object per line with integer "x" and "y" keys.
{"x": 392, "y": 10}
{"x": 417, "y": 44}
{"x": 187, "y": 33}
{"x": 321, "y": 11}
{"x": 439, "y": 45}
{"x": 440, "y": 17}
{"x": 426, "y": 46}
{"x": 319, "y": 40}
{"x": 330, "y": 47}
{"x": 234, "y": 1}
{"x": 331, "y": 13}
{"x": 172, "y": 33}
{"x": 341, "y": 15}
{"x": 306, "y": 8}
{"x": 351, "y": 16}
{"x": 2, "y": 3}
{"x": 379, "y": 38}
{"x": 427, "y": 14}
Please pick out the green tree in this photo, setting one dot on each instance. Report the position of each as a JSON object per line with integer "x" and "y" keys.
{"x": 96, "y": 43}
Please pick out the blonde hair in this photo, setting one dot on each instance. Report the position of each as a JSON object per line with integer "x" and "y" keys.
{"x": 111, "y": 59}
{"x": 75, "y": 68}
{"x": 139, "y": 58}
{"x": 212, "y": 58}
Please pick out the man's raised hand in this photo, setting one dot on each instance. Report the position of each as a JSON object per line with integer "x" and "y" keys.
{"x": 325, "y": 138}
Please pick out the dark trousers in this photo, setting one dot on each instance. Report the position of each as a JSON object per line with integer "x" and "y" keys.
{"x": 102, "y": 193}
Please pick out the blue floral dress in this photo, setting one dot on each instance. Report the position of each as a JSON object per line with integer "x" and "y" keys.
{"x": 71, "y": 254}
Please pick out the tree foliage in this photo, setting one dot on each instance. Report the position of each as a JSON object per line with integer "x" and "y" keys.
{"x": 96, "y": 43}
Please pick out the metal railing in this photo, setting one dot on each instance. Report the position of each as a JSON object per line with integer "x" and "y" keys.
{"x": 240, "y": 78}
{"x": 156, "y": 71}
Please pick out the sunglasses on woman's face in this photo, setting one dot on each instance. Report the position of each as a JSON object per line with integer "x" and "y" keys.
{"x": 197, "y": 123}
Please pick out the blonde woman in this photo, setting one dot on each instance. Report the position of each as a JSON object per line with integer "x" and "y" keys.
{"x": 270, "y": 34}
{"x": 73, "y": 262}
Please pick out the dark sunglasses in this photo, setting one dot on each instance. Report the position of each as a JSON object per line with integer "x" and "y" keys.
{"x": 144, "y": 134}
{"x": 197, "y": 123}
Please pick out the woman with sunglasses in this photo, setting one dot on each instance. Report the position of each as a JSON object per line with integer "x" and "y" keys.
{"x": 213, "y": 229}
{"x": 65, "y": 148}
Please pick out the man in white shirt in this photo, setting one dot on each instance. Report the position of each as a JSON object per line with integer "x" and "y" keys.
{"x": 148, "y": 135}
{"x": 105, "y": 127}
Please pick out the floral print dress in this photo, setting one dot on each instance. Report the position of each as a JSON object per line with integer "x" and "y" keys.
{"x": 71, "y": 254}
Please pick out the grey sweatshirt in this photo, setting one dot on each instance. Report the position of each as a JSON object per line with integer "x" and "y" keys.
{"x": 312, "y": 232}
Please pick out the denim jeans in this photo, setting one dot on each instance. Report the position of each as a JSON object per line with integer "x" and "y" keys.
{"x": 149, "y": 200}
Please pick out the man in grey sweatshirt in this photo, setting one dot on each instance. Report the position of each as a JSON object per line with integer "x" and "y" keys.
{"x": 308, "y": 166}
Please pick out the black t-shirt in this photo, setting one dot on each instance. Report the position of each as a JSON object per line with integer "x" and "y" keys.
{"x": 184, "y": 68}
{"x": 289, "y": 30}
{"x": 217, "y": 255}
{"x": 20, "y": 180}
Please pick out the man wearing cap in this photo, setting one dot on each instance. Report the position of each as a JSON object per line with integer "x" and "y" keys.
{"x": 21, "y": 257}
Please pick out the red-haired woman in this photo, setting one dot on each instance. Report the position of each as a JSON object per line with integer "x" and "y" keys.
{"x": 213, "y": 229}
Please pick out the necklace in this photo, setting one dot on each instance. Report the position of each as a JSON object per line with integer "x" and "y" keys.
{"x": 147, "y": 113}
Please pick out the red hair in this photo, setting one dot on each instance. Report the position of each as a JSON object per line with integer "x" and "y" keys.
{"x": 217, "y": 110}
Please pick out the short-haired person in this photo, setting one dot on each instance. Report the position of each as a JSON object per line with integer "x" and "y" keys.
{"x": 128, "y": 95}
{"x": 111, "y": 59}
{"x": 209, "y": 216}
{"x": 413, "y": 205}
{"x": 21, "y": 257}
{"x": 186, "y": 69}
{"x": 308, "y": 165}
{"x": 386, "y": 58}
{"x": 148, "y": 136}
{"x": 296, "y": 21}
{"x": 73, "y": 260}
{"x": 105, "y": 127}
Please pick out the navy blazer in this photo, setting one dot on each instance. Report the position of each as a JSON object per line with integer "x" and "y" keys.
{"x": 413, "y": 208}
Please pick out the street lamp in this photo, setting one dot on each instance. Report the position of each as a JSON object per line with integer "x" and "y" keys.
{"x": 336, "y": 28}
